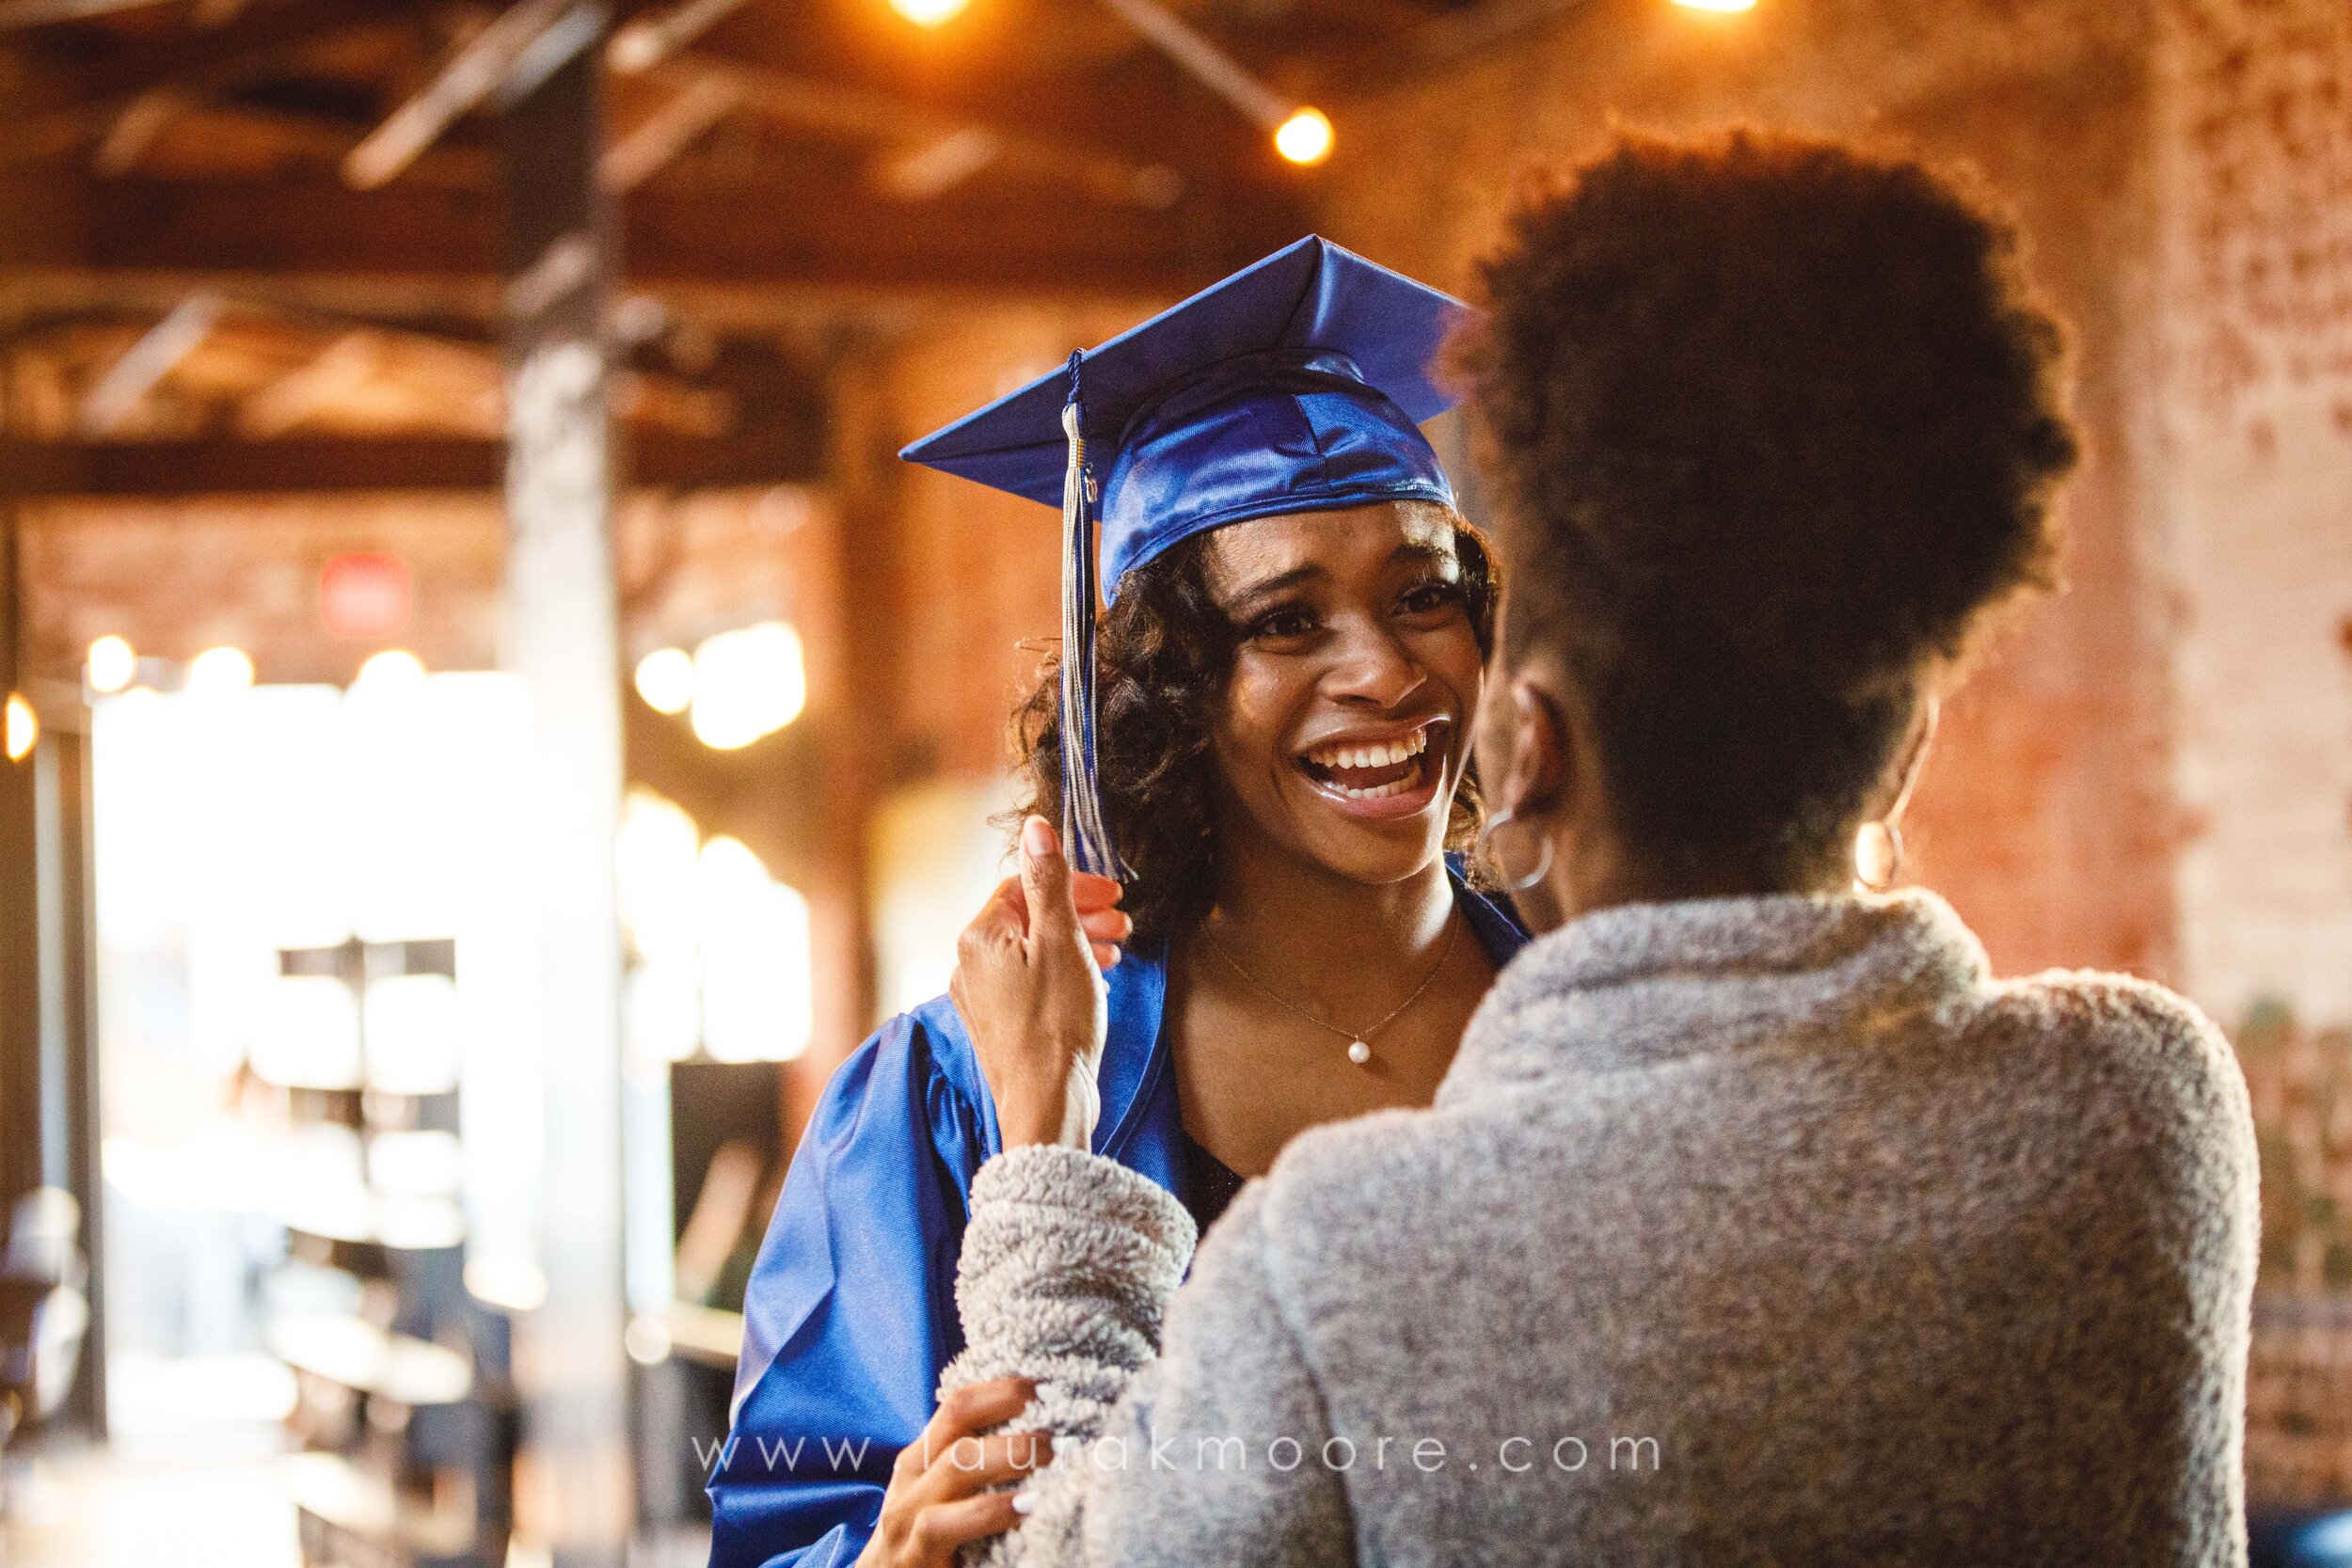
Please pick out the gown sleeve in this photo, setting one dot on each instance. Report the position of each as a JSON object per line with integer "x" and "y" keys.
{"x": 849, "y": 1315}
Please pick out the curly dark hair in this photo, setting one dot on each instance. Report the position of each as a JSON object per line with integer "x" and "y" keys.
{"x": 1771, "y": 422}
{"x": 1163, "y": 652}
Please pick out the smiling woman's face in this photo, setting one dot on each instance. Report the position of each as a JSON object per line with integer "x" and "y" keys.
{"x": 1344, "y": 729}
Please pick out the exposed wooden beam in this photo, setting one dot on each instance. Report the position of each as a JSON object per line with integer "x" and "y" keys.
{"x": 485, "y": 66}
{"x": 692, "y": 110}
{"x": 335, "y": 372}
{"x": 938, "y": 165}
{"x": 39, "y": 13}
{"x": 1093, "y": 83}
{"x": 304, "y": 465}
{"x": 649, "y": 40}
{"x": 816, "y": 234}
{"x": 863, "y": 114}
{"x": 1203, "y": 60}
{"x": 200, "y": 65}
{"x": 145, "y": 363}
{"x": 1449, "y": 39}
{"x": 136, "y": 127}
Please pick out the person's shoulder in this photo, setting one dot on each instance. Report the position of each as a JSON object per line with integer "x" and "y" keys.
{"x": 2137, "y": 1057}
{"x": 912, "y": 1057}
{"x": 2113, "y": 1024}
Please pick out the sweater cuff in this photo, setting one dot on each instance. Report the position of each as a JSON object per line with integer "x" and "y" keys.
{"x": 1063, "y": 1184}
{"x": 1069, "y": 1261}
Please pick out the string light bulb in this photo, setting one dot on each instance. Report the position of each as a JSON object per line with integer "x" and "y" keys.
{"x": 395, "y": 669}
{"x": 748, "y": 684}
{"x": 665, "y": 679}
{"x": 109, "y": 664}
{"x": 930, "y": 13}
{"x": 1304, "y": 138}
{"x": 22, "y": 728}
{"x": 221, "y": 669}
{"x": 1723, "y": 8}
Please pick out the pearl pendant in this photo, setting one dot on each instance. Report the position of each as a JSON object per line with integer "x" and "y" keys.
{"x": 1358, "y": 1053}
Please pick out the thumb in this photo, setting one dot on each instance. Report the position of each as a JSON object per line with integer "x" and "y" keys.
{"x": 1046, "y": 881}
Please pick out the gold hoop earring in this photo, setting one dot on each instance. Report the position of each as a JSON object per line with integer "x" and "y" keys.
{"x": 1878, "y": 855}
{"x": 1484, "y": 848}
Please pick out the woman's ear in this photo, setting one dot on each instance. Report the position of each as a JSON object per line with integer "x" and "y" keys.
{"x": 1523, "y": 742}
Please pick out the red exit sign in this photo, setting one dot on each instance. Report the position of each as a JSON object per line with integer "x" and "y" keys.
{"x": 364, "y": 596}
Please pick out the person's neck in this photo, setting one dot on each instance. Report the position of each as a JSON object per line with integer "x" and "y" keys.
{"x": 1302, "y": 918}
{"x": 1601, "y": 874}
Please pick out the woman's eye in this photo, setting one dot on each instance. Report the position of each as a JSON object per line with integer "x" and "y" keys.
{"x": 1432, "y": 596}
{"x": 1282, "y": 623}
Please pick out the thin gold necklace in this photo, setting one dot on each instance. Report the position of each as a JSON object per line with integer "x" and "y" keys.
{"x": 1359, "y": 1041}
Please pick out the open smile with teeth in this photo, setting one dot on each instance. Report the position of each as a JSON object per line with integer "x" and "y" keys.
{"x": 1371, "y": 771}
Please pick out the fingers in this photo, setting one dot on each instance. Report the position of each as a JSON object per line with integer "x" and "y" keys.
{"x": 1107, "y": 926}
{"x": 942, "y": 1527}
{"x": 943, "y": 1486}
{"x": 1111, "y": 925}
{"x": 966, "y": 1413}
{"x": 1046, "y": 881}
{"x": 1097, "y": 898}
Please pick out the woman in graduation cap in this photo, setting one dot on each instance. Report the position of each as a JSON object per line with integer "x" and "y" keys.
{"x": 1266, "y": 746}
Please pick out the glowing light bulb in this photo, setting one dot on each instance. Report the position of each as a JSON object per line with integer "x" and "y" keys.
{"x": 220, "y": 670}
{"x": 1305, "y": 137}
{"x": 22, "y": 729}
{"x": 110, "y": 664}
{"x": 928, "y": 13}
{"x": 391, "y": 669}
{"x": 665, "y": 678}
{"x": 1720, "y": 7}
{"x": 748, "y": 684}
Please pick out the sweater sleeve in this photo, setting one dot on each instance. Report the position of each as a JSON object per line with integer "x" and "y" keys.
{"x": 1215, "y": 1452}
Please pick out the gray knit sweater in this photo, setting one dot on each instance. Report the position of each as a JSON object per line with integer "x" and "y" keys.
{"x": 1742, "y": 1230}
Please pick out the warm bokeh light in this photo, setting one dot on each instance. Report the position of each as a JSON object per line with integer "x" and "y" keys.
{"x": 22, "y": 728}
{"x": 393, "y": 667}
{"x": 635, "y": 48}
{"x": 514, "y": 1284}
{"x": 665, "y": 678}
{"x": 647, "y": 1339}
{"x": 654, "y": 857}
{"x": 928, "y": 13}
{"x": 719, "y": 948}
{"x": 1720, "y": 6}
{"x": 110, "y": 664}
{"x": 748, "y": 684}
{"x": 220, "y": 670}
{"x": 1305, "y": 137}
{"x": 755, "y": 941}
{"x": 365, "y": 595}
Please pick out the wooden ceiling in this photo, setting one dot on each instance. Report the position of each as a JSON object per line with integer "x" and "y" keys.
{"x": 1025, "y": 143}
{"x": 210, "y": 277}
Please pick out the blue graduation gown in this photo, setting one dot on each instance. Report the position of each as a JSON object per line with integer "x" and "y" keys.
{"x": 851, "y": 1313}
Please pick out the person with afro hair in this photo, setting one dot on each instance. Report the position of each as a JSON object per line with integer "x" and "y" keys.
{"x": 1755, "y": 1222}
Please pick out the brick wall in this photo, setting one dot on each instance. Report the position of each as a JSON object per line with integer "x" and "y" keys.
{"x": 2255, "y": 158}
{"x": 975, "y": 576}
{"x": 2253, "y": 148}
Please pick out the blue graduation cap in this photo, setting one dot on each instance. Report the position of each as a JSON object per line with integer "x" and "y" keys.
{"x": 1295, "y": 384}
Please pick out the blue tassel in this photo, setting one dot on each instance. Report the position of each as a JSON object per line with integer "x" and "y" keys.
{"x": 1084, "y": 832}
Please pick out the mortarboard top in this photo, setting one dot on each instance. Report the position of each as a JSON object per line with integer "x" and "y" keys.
{"x": 1295, "y": 384}
{"x": 1295, "y": 430}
